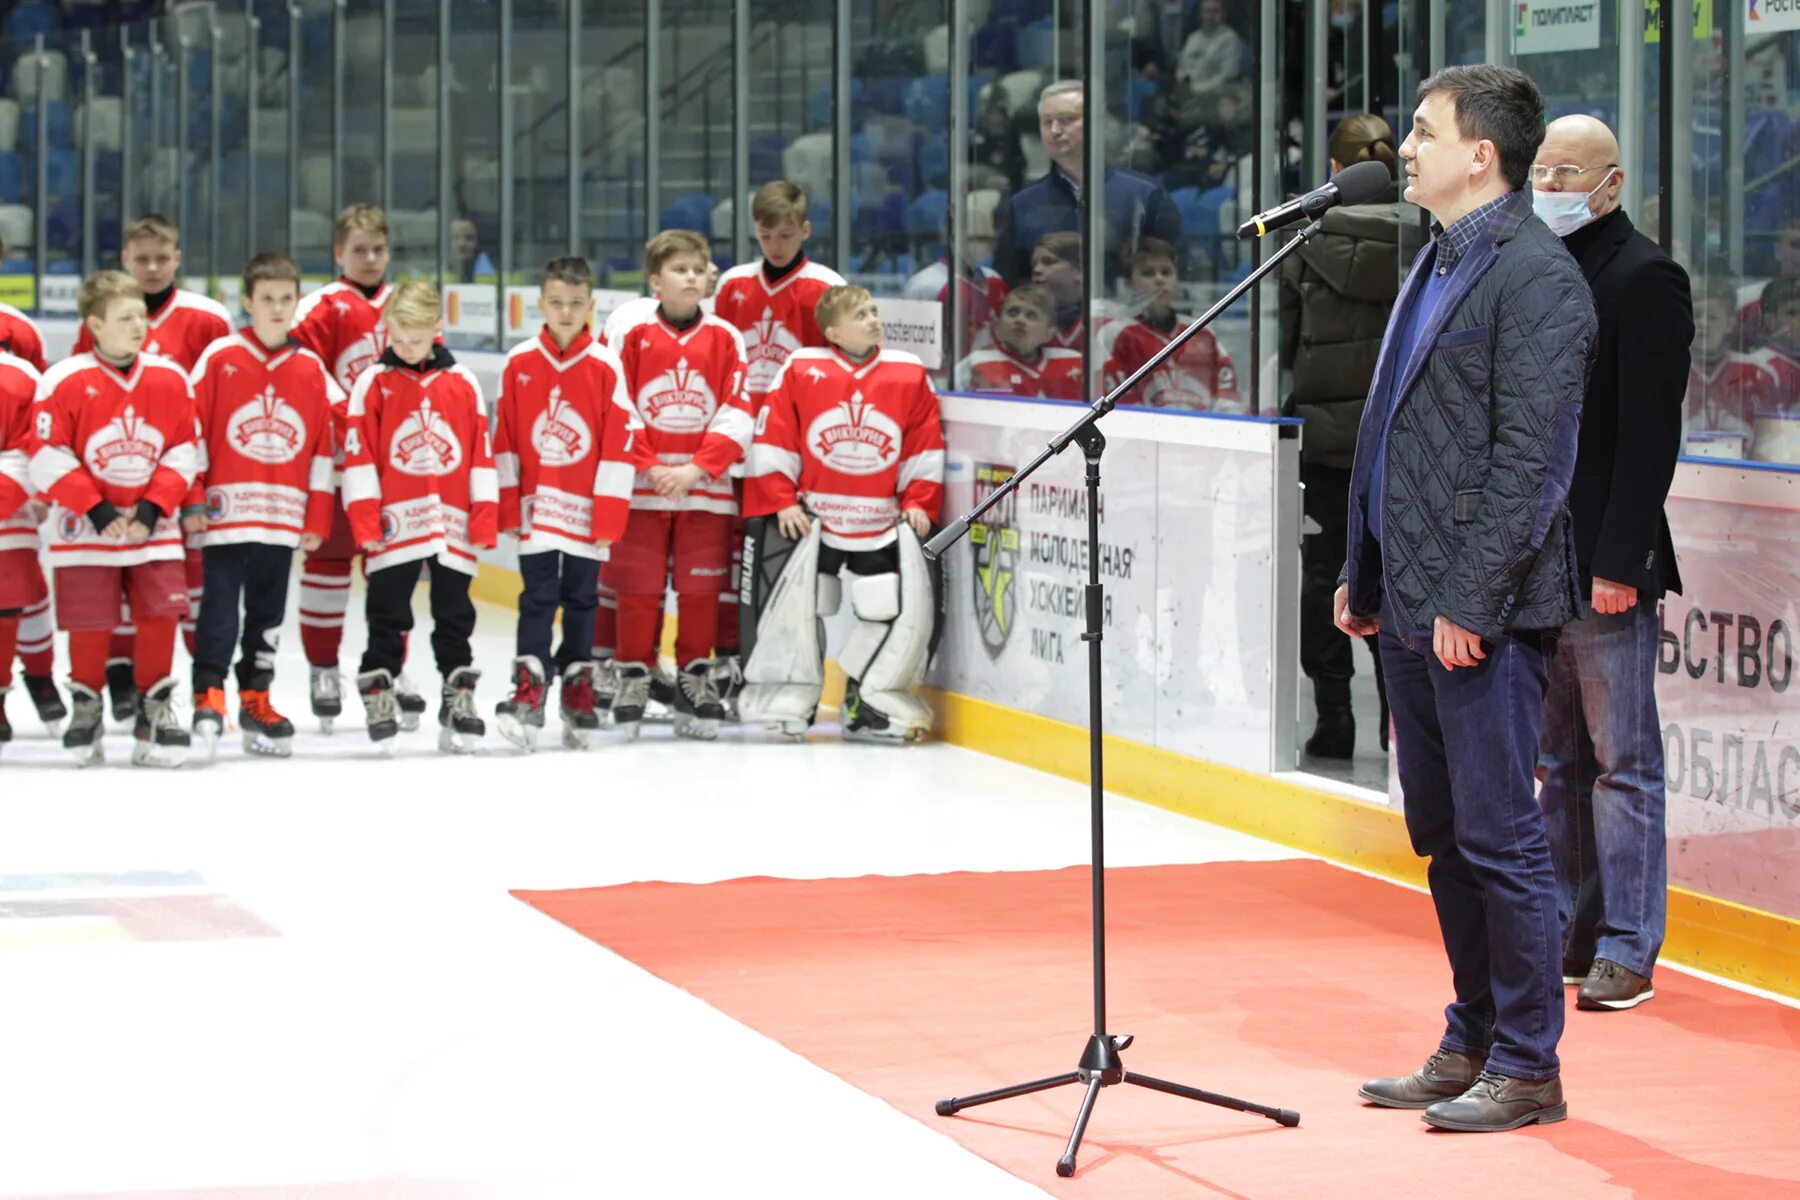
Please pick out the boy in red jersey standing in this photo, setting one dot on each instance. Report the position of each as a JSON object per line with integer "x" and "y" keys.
{"x": 22, "y": 585}
{"x": 1197, "y": 376}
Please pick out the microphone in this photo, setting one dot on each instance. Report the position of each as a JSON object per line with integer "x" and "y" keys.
{"x": 1357, "y": 183}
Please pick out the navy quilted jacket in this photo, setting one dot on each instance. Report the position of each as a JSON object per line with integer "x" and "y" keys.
{"x": 1482, "y": 441}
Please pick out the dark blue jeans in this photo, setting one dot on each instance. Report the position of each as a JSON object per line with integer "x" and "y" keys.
{"x": 252, "y": 575}
{"x": 1603, "y": 797}
{"x": 1465, "y": 743}
{"x": 556, "y": 580}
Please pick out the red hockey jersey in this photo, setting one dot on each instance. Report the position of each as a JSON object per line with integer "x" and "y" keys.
{"x": 265, "y": 422}
{"x": 419, "y": 464}
{"x": 776, "y": 319}
{"x": 18, "y": 390}
{"x": 983, "y": 296}
{"x": 342, "y": 325}
{"x": 564, "y": 434}
{"x": 1056, "y": 375}
{"x": 102, "y": 434}
{"x": 854, "y": 444}
{"x": 1198, "y": 376}
{"x": 19, "y": 336}
{"x": 1723, "y": 396}
{"x": 180, "y": 330}
{"x": 687, "y": 387}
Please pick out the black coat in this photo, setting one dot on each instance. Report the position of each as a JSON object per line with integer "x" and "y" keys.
{"x": 1631, "y": 423}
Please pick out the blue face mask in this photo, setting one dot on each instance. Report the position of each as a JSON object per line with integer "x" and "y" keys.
{"x": 1565, "y": 212}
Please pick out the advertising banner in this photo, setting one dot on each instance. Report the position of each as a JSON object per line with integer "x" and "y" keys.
{"x": 471, "y": 310}
{"x": 1548, "y": 26}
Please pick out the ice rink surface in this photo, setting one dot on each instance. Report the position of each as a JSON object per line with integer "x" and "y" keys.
{"x": 320, "y": 986}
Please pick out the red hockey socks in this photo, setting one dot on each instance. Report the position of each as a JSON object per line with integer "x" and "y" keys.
{"x": 88, "y": 652}
{"x": 639, "y": 618}
{"x": 9, "y": 642}
{"x": 37, "y": 640}
{"x": 324, "y": 598}
{"x": 155, "y": 652}
{"x": 696, "y": 625}
{"x": 120, "y": 642}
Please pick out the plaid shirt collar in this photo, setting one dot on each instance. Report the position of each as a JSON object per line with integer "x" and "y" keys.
{"x": 1454, "y": 242}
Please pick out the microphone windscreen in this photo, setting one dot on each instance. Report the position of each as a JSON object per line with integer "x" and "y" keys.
{"x": 1359, "y": 183}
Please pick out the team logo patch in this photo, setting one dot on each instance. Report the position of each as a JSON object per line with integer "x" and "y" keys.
{"x": 68, "y": 526}
{"x": 217, "y": 504}
{"x": 767, "y": 344}
{"x": 855, "y": 438}
{"x": 995, "y": 542}
{"x": 678, "y": 401}
{"x": 425, "y": 444}
{"x": 125, "y": 450}
{"x": 360, "y": 355}
{"x": 266, "y": 430}
{"x": 390, "y": 526}
{"x": 559, "y": 434}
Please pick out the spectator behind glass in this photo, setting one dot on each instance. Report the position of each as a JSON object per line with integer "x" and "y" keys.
{"x": 1197, "y": 376}
{"x": 1776, "y": 430}
{"x": 1021, "y": 362}
{"x": 1726, "y": 386}
{"x": 1213, "y": 54}
{"x": 994, "y": 150}
{"x": 468, "y": 262}
{"x": 1056, "y": 267}
{"x": 1336, "y": 294}
{"x": 982, "y": 288}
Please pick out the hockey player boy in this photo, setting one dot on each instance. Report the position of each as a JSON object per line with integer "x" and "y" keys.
{"x": 563, "y": 440}
{"x": 264, "y": 412}
{"x": 113, "y": 447}
{"x": 22, "y": 587}
{"x": 182, "y": 325}
{"x": 685, "y": 373}
{"x": 1197, "y": 376}
{"x": 341, "y": 323}
{"x": 851, "y": 439}
{"x": 419, "y": 485}
{"x": 1022, "y": 362}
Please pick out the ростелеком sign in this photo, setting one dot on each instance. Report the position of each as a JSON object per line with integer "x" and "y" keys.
{"x": 1546, "y": 26}
{"x": 1770, "y": 16}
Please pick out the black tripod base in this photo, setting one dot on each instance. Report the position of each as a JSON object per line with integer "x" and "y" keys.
{"x": 1101, "y": 1067}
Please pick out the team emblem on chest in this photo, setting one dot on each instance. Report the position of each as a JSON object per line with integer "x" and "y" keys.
{"x": 679, "y": 401}
{"x": 125, "y": 450}
{"x": 425, "y": 444}
{"x": 266, "y": 430}
{"x": 767, "y": 344}
{"x": 855, "y": 438}
{"x": 360, "y": 355}
{"x": 559, "y": 434}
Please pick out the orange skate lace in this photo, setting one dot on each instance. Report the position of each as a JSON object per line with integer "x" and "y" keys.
{"x": 256, "y": 706}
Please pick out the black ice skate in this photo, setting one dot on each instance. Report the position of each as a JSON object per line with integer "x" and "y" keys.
{"x": 266, "y": 731}
{"x": 659, "y": 705}
{"x": 412, "y": 705}
{"x": 521, "y": 715}
{"x": 728, "y": 677}
{"x": 209, "y": 718}
{"x": 158, "y": 739}
{"x": 458, "y": 726}
{"x": 5, "y": 725}
{"x": 631, "y": 692}
{"x": 698, "y": 709}
{"x": 606, "y": 682}
{"x": 83, "y": 736}
{"x": 121, "y": 687}
{"x": 327, "y": 696}
{"x": 579, "y": 718}
{"x": 863, "y": 722}
{"x": 48, "y": 702}
{"x": 380, "y": 707}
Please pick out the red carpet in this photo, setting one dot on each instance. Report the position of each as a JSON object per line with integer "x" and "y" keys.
{"x": 1286, "y": 983}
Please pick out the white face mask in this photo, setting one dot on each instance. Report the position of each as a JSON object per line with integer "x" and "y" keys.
{"x": 1565, "y": 212}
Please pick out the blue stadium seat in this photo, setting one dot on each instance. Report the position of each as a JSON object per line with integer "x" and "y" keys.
{"x": 925, "y": 216}
{"x": 928, "y": 102}
{"x": 1017, "y": 11}
{"x": 61, "y": 120}
{"x": 821, "y": 213}
{"x": 109, "y": 170}
{"x": 62, "y": 173}
{"x": 885, "y": 94}
{"x": 25, "y": 22}
{"x": 934, "y": 160}
{"x": 1142, "y": 92}
{"x": 883, "y": 218}
{"x": 1037, "y": 44}
{"x": 12, "y": 178}
{"x": 765, "y": 156}
{"x": 996, "y": 47}
{"x": 863, "y": 146}
{"x": 692, "y": 211}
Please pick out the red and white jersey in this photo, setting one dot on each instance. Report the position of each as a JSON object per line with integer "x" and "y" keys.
{"x": 1056, "y": 375}
{"x": 983, "y": 296}
{"x": 1786, "y": 365}
{"x": 20, "y": 337}
{"x": 629, "y": 314}
{"x": 18, "y": 391}
{"x": 180, "y": 330}
{"x": 564, "y": 435}
{"x": 99, "y": 433}
{"x": 419, "y": 464}
{"x": 1724, "y": 396}
{"x": 342, "y": 325}
{"x": 776, "y": 319}
{"x": 854, "y": 444}
{"x": 1198, "y": 376}
{"x": 687, "y": 387}
{"x": 265, "y": 421}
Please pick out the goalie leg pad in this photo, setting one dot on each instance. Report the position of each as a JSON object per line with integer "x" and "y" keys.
{"x": 887, "y": 652}
{"x": 785, "y": 670}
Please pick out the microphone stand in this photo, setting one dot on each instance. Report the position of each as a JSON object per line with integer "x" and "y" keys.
{"x": 1100, "y": 1065}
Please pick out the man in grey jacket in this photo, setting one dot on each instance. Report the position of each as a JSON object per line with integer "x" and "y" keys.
{"x": 1460, "y": 556}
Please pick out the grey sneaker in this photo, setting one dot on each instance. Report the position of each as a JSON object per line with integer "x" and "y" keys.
{"x": 1446, "y": 1075}
{"x": 1610, "y": 986}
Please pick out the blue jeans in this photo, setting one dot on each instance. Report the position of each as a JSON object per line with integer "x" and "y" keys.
{"x": 1465, "y": 744}
{"x": 1603, "y": 797}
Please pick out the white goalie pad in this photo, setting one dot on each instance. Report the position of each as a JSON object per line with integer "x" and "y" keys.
{"x": 887, "y": 652}
{"x": 786, "y": 669}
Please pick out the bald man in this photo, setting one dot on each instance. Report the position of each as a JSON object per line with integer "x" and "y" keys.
{"x": 1601, "y": 749}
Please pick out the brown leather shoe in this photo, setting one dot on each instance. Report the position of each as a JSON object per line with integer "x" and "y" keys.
{"x": 1610, "y": 986}
{"x": 1446, "y": 1075}
{"x": 1495, "y": 1104}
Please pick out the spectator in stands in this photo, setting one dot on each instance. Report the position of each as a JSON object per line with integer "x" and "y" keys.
{"x": 1213, "y": 54}
{"x": 1336, "y": 295}
{"x": 995, "y": 154}
{"x": 1725, "y": 386}
{"x": 468, "y": 261}
{"x": 982, "y": 290}
{"x": 1136, "y": 205}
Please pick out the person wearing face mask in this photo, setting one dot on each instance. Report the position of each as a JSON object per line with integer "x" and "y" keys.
{"x": 1602, "y": 749}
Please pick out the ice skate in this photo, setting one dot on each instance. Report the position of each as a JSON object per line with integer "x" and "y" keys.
{"x": 728, "y": 678}
{"x": 521, "y": 715}
{"x": 380, "y": 707}
{"x": 579, "y": 720}
{"x": 327, "y": 696}
{"x": 5, "y": 725}
{"x": 606, "y": 682}
{"x": 121, "y": 688}
{"x": 158, "y": 739}
{"x": 266, "y": 731}
{"x": 209, "y": 719}
{"x": 863, "y": 722}
{"x": 659, "y": 703}
{"x": 48, "y": 702}
{"x": 631, "y": 693}
{"x": 458, "y": 726}
{"x": 698, "y": 709}
{"x": 83, "y": 736}
{"x": 412, "y": 705}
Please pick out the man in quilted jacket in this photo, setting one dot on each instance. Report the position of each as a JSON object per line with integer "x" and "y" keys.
{"x": 1460, "y": 555}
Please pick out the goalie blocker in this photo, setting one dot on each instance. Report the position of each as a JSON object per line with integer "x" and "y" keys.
{"x": 787, "y": 589}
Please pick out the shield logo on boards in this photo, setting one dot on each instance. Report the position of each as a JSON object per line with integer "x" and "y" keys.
{"x": 994, "y": 541}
